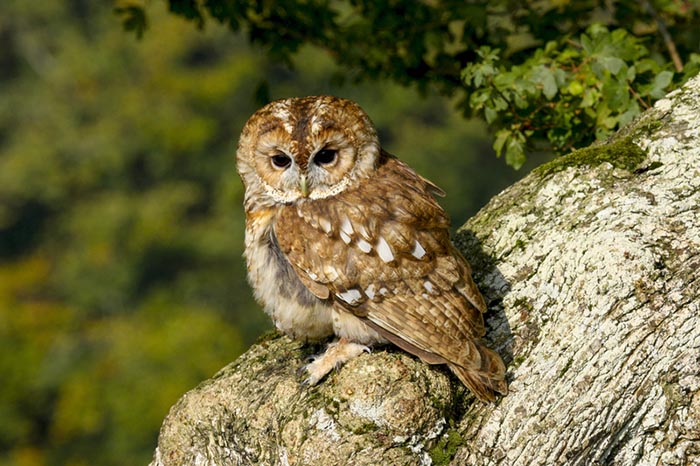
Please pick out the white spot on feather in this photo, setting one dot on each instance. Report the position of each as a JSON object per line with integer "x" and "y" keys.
{"x": 428, "y": 286}
{"x": 344, "y": 236}
{"x": 312, "y": 275}
{"x": 383, "y": 291}
{"x": 364, "y": 245}
{"x": 346, "y": 226}
{"x": 325, "y": 224}
{"x": 418, "y": 251}
{"x": 384, "y": 250}
{"x": 330, "y": 272}
{"x": 351, "y": 296}
{"x": 369, "y": 291}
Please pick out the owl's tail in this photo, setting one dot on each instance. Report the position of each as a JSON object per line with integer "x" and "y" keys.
{"x": 486, "y": 378}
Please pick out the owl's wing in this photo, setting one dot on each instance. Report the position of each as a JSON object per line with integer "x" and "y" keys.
{"x": 383, "y": 253}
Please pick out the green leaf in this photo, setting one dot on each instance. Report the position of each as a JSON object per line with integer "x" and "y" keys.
{"x": 591, "y": 96}
{"x": 575, "y": 88}
{"x": 587, "y": 44}
{"x": 616, "y": 94}
{"x": 501, "y": 138}
{"x": 549, "y": 85}
{"x": 515, "y": 151}
{"x": 629, "y": 114}
{"x": 499, "y": 103}
{"x": 543, "y": 76}
{"x": 661, "y": 82}
{"x": 612, "y": 64}
{"x": 490, "y": 114}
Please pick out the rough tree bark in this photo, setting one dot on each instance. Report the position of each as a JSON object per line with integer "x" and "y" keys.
{"x": 591, "y": 268}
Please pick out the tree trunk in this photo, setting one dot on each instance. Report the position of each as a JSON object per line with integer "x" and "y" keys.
{"x": 591, "y": 268}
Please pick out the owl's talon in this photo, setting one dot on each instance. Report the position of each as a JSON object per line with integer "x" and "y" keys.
{"x": 335, "y": 356}
{"x": 310, "y": 382}
{"x": 314, "y": 375}
{"x": 315, "y": 372}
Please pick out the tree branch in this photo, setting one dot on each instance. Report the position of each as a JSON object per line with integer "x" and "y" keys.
{"x": 590, "y": 266}
{"x": 668, "y": 40}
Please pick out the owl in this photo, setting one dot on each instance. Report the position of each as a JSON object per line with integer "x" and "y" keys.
{"x": 343, "y": 238}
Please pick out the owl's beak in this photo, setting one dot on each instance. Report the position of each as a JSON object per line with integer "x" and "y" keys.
{"x": 303, "y": 187}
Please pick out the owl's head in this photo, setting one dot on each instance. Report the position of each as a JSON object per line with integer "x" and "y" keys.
{"x": 305, "y": 148}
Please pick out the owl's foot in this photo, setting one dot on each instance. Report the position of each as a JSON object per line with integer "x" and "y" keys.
{"x": 337, "y": 353}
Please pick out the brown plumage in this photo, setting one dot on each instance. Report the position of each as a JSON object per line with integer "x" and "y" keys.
{"x": 343, "y": 238}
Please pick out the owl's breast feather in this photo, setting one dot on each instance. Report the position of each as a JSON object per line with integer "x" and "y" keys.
{"x": 294, "y": 310}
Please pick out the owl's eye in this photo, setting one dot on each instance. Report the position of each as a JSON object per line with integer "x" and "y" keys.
{"x": 281, "y": 160}
{"x": 325, "y": 156}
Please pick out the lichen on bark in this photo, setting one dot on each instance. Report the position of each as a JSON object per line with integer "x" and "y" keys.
{"x": 596, "y": 266}
{"x": 591, "y": 269}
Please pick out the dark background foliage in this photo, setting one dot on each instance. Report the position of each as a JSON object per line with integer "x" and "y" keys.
{"x": 561, "y": 72}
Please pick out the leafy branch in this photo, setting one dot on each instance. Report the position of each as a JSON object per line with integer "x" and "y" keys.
{"x": 546, "y": 70}
{"x": 601, "y": 79}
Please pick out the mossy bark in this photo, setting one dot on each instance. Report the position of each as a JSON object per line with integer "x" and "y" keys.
{"x": 591, "y": 268}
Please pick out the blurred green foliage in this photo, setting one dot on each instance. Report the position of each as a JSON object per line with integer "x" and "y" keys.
{"x": 564, "y": 72}
{"x": 121, "y": 224}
